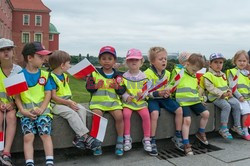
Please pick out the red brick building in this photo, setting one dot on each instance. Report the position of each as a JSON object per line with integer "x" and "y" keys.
{"x": 28, "y": 21}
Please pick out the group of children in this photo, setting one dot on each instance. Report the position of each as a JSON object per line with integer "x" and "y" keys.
{"x": 120, "y": 94}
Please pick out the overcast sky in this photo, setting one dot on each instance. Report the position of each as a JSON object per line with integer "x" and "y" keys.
{"x": 178, "y": 25}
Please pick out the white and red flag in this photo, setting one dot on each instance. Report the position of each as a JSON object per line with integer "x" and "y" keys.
{"x": 233, "y": 84}
{"x": 159, "y": 84}
{"x": 99, "y": 126}
{"x": 176, "y": 80}
{"x": 15, "y": 84}
{"x": 81, "y": 69}
{"x": 1, "y": 141}
{"x": 145, "y": 90}
{"x": 200, "y": 73}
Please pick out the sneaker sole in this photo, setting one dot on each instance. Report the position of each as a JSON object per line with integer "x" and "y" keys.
{"x": 151, "y": 154}
{"x": 205, "y": 143}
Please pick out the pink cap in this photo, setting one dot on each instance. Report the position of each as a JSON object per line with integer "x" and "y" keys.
{"x": 134, "y": 54}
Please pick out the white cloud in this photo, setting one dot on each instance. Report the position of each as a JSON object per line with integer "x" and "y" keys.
{"x": 195, "y": 26}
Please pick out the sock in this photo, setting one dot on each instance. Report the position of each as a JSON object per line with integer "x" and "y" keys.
{"x": 245, "y": 129}
{"x": 185, "y": 141}
{"x": 153, "y": 141}
{"x": 201, "y": 130}
{"x": 223, "y": 127}
{"x": 126, "y": 136}
{"x": 178, "y": 133}
{"x": 30, "y": 161}
{"x": 49, "y": 160}
{"x": 119, "y": 139}
{"x": 6, "y": 153}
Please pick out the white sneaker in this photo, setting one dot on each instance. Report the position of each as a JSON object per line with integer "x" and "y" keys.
{"x": 147, "y": 144}
{"x": 127, "y": 143}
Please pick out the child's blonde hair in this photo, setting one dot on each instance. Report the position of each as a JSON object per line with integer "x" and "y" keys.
{"x": 153, "y": 51}
{"x": 237, "y": 55}
{"x": 197, "y": 60}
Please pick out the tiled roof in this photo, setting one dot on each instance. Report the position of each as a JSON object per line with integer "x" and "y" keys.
{"x": 36, "y": 5}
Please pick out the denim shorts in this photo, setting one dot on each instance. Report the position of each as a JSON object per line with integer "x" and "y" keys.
{"x": 166, "y": 103}
{"x": 41, "y": 125}
{"x": 196, "y": 108}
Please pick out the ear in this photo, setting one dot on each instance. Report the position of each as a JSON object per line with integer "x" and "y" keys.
{"x": 29, "y": 57}
{"x": 62, "y": 65}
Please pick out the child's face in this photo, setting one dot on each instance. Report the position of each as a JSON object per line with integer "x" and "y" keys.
{"x": 37, "y": 60}
{"x": 65, "y": 66}
{"x": 134, "y": 64}
{"x": 217, "y": 64}
{"x": 241, "y": 62}
{"x": 6, "y": 53}
{"x": 160, "y": 61}
{"x": 192, "y": 69}
{"x": 107, "y": 61}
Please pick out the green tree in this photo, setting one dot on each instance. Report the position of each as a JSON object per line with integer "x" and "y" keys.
{"x": 227, "y": 65}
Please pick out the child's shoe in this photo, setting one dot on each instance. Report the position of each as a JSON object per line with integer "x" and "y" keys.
{"x": 30, "y": 164}
{"x": 154, "y": 151}
{"x": 79, "y": 143}
{"x": 6, "y": 160}
{"x": 97, "y": 151}
{"x": 119, "y": 148}
{"x": 188, "y": 150}
{"x": 238, "y": 130}
{"x": 247, "y": 137}
{"x": 147, "y": 144}
{"x": 178, "y": 143}
{"x": 225, "y": 134}
{"x": 127, "y": 143}
{"x": 202, "y": 137}
{"x": 90, "y": 142}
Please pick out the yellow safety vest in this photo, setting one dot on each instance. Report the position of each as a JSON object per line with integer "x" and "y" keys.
{"x": 219, "y": 82}
{"x": 34, "y": 96}
{"x": 243, "y": 85}
{"x": 63, "y": 90}
{"x": 3, "y": 95}
{"x": 151, "y": 75}
{"x": 133, "y": 87}
{"x": 187, "y": 90}
{"x": 104, "y": 98}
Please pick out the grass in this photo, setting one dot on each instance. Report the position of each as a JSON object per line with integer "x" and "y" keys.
{"x": 78, "y": 89}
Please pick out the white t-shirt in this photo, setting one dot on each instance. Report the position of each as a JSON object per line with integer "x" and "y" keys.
{"x": 16, "y": 69}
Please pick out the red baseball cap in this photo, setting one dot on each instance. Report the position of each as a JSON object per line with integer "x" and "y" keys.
{"x": 107, "y": 49}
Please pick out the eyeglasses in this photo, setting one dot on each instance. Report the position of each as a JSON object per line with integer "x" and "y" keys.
{"x": 7, "y": 48}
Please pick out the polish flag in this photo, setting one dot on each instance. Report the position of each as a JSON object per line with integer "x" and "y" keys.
{"x": 176, "y": 80}
{"x": 233, "y": 84}
{"x": 1, "y": 141}
{"x": 15, "y": 84}
{"x": 81, "y": 69}
{"x": 247, "y": 121}
{"x": 159, "y": 84}
{"x": 99, "y": 125}
{"x": 145, "y": 90}
{"x": 200, "y": 73}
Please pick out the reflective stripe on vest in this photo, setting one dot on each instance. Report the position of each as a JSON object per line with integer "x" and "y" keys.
{"x": 218, "y": 82}
{"x": 3, "y": 96}
{"x": 34, "y": 96}
{"x": 133, "y": 87}
{"x": 186, "y": 92}
{"x": 243, "y": 85}
{"x": 150, "y": 74}
{"x": 104, "y": 98}
{"x": 63, "y": 90}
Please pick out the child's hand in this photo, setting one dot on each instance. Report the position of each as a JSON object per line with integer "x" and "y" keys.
{"x": 99, "y": 84}
{"x": 162, "y": 93}
{"x": 2, "y": 107}
{"x": 224, "y": 95}
{"x": 242, "y": 99}
{"x": 167, "y": 91}
{"x": 37, "y": 111}
{"x": 114, "y": 85}
{"x": 229, "y": 94}
{"x": 73, "y": 105}
{"x": 29, "y": 114}
{"x": 10, "y": 106}
{"x": 130, "y": 98}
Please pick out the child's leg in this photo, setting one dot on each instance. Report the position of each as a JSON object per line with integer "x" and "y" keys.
{"x": 178, "y": 119}
{"x": 154, "y": 118}
{"x": 126, "y": 116}
{"x": 10, "y": 129}
{"x": 185, "y": 129}
{"x": 82, "y": 113}
{"x": 225, "y": 111}
{"x": 47, "y": 144}
{"x": 145, "y": 121}
{"x": 1, "y": 120}
{"x": 204, "y": 119}
{"x": 245, "y": 128}
{"x": 119, "y": 124}
{"x": 236, "y": 111}
{"x": 28, "y": 146}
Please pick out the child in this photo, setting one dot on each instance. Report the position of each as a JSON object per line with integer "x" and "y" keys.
{"x": 133, "y": 80}
{"x": 242, "y": 92}
{"x": 219, "y": 93}
{"x": 105, "y": 87}
{"x": 7, "y": 106}
{"x": 63, "y": 106}
{"x": 33, "y": 104}
{"x": 187, "y": 95}
{"x": 160, "y": 98}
